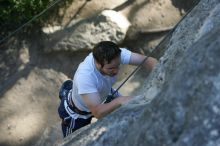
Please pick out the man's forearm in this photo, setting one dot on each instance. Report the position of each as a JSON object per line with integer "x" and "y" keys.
{"x": 102, "y": 110}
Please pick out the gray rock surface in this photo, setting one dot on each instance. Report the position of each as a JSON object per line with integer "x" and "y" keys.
{"x": 184, "y": 89}
{"x": 30, "y": 78}
{"x": 52, "y": 136}
{"x": 84, "y": 34}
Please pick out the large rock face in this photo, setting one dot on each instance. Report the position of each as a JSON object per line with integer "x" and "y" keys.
{"x": 184, "y": 88}
{"x": 30, "y": 78}
{"x": 82, "y": 35}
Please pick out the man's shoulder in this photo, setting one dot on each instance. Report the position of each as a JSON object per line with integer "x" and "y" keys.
{"x": 85, "y": 71}
{"x": 125, "y": 55}
{"x": 86, "y": 65}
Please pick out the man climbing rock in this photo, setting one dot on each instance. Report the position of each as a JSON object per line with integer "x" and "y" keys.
{"x": 85, "y": 96}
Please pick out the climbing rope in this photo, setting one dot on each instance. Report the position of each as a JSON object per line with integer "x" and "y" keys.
{"x": 158, "y": 46}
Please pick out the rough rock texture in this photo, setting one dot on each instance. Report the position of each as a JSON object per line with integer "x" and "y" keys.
{"x": 51, "y": 136}
{"x": 199, "y": 22}
{"x": 185, "y": 88}
{"x": 109, "y": 25}
{"x": 25, "y": 86}
{"x": 144, "y": 22}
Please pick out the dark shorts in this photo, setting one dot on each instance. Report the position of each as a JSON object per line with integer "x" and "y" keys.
{"x": 68, "y": 124}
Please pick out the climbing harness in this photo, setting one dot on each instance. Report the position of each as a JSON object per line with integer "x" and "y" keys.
{"x": 69, "y": 104}
{"x": 65, "y": 91}
{"x": 71, "y": 116}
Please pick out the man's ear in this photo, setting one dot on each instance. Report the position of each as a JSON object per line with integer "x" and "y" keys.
{"x": 98, "y": 65}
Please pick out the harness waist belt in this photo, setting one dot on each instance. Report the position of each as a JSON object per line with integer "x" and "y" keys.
{"x": 74, "y": 108}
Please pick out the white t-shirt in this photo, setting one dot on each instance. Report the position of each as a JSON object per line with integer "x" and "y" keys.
{"x": 88, "y": 79}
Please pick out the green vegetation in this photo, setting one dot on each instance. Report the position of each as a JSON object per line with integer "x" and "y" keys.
{"x": 13, "y": 13}
{"x": 19, "y": 11}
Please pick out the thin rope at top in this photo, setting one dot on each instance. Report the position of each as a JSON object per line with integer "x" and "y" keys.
{"x": 130, "y": 75}
{"x": 32, "y": 19}
{"x": 161, "y": 42}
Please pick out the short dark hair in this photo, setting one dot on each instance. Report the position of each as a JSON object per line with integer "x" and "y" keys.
{"x": 106, "y": 51}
